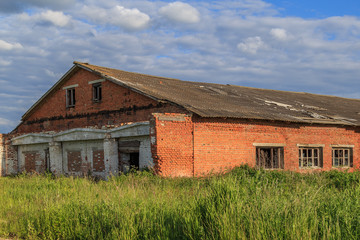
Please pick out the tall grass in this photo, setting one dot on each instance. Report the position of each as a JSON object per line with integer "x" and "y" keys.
{"x": 243, "y": 204}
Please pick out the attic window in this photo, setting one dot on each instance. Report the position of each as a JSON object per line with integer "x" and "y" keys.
{"x": 97, "y": 96}
{"x": 70, "y": 97}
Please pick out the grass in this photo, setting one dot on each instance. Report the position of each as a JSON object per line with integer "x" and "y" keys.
{"x": 243, "y": 204}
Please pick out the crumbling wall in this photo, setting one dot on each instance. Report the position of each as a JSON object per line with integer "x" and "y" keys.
{"x": 172, "y": 144}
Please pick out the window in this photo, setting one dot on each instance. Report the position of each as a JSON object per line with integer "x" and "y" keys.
{"x": 97, "y": 92}
{"x": 342, "y": 157}
{"x": 310, "y": 157}
{"x": 70, "y": 97}
{"x": 270, "y": 157}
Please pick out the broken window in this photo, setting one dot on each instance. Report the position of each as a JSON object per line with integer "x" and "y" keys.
{"x": 70, "y": 97}
{"x": 342, "y": 157}
{"x": 97, "y": 96}
{"x": 310, "y": 157}
{"x": 270, "y": 157}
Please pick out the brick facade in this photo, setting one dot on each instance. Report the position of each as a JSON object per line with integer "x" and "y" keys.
{"x": 214, "y": 145}
{"x": 119, "y": 105}
{"x": 179, "y": 142}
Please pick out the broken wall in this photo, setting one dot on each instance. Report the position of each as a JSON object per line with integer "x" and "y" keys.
{"x": 2, "y": 155}
{"x": 172, "y": 144}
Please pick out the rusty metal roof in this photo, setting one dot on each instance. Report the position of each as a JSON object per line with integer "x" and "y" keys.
{"x": 231, "y": 101}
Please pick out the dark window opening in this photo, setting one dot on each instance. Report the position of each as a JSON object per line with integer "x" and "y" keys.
{"x": 134, "y": 161}
{"x": 270, "y": 157}
{"x": 97, "y": 95}
{"x": 310, "y": 157}
{"x": 342, "y": 157}
{"x": 70, "y": 97}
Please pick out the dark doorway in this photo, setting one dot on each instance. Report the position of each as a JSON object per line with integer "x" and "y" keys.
{"x": 134, "y": 161}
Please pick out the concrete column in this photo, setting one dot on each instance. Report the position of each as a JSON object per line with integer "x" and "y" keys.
{"x": 56, "y": 158}
{"x": 145, "y": 156}
{"x": 111, "y": 156}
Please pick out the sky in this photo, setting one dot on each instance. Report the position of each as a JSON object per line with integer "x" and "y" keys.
{"x": 293, "y": 45}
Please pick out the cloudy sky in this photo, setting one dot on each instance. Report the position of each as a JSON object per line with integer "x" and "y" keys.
{"x": 295, "y": 45}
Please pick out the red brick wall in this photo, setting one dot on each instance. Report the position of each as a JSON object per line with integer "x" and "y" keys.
{"x": 221, "y": 144}
{"x": 98, "y": 161}
{"x": 119, "y": 105}
{"x": 172, "y": 144}
{"x": 215, "y": 145}
{"x": 34, "y": 162}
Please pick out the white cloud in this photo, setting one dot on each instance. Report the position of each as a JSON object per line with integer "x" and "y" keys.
{"x": 279, "y": 33}
{"x": 55, "y": 18}
{"x": 180, "y": 12}
{"x": 130, "y": 19}
{"x": 251, "y": 45}
{"x": 9, "y": 46}
{"x": 6, "y": 122}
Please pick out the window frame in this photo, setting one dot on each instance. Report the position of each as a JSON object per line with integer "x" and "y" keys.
{"x": 275, "y": 151}
{"x": 97, "y": 92}
{"x": 70, "y": 97}
{"x": 314, "y": 157}
{"x": 343, "y": 157}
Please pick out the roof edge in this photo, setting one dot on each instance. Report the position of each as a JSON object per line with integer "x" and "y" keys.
{"x": 65, "y": 76}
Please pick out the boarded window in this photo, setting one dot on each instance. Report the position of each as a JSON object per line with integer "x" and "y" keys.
{"x": 30, "y": 161}
{"x": 270, "y": 157}
{"x": 310, "y": 157}
{"x": 98, "y": 161}
{"x": 74, "y": 161}
{"x": 342, "y": 157}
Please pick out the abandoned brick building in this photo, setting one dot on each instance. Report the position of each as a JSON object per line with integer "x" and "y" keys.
{"x": 101, "y": 121}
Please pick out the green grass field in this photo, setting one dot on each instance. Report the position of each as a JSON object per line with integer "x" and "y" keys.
{"x": 243, "y": 204}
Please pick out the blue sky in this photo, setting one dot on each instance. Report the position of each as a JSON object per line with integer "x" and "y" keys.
{"x": 306, "y": 46}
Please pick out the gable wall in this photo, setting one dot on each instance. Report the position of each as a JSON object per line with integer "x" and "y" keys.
{"x": 119, "y": 105}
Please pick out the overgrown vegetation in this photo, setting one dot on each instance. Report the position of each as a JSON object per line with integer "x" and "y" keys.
{"x": 243, "y": 204}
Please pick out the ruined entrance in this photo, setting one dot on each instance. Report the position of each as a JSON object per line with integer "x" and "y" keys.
{"x": 129, "y": 157}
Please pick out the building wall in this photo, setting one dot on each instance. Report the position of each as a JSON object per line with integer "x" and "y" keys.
{"x": 2, "y": 155}
{"x": 118, "y": 105}
{"x": 33, "y": 158}
{"x": 216, "y": 145}
{"x": 172, "y": 144}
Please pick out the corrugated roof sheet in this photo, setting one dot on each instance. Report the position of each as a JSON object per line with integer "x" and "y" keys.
{"x": 230, "y": 101}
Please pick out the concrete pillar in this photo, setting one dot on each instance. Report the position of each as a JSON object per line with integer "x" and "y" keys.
{"x": 56, "y": 158}
{"x": 145, "y": 156}
{"x": 111, "y": 156}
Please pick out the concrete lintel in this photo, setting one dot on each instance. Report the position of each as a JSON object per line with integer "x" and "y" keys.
{"x": 269, "y": 144}
{"x": 341, "y": 146}
{"x": 131, "y": 130}
{"x": 311, "y": 145}
{"x": 96, "y": 81}
{"x": 70, "y": 86}
{"x": 31, "y": 138}
{"x": 80, "y": 134}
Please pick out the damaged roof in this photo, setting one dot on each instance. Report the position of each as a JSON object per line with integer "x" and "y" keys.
{"x": 231, "y": 101}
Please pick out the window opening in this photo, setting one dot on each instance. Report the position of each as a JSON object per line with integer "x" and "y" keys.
{"x": 70, "y": 97}
{"x": 342, "y": 157}
{"x": 310, "y": 157}
{"x": 270, "y": 157}
{"x": 97, "y": 95}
